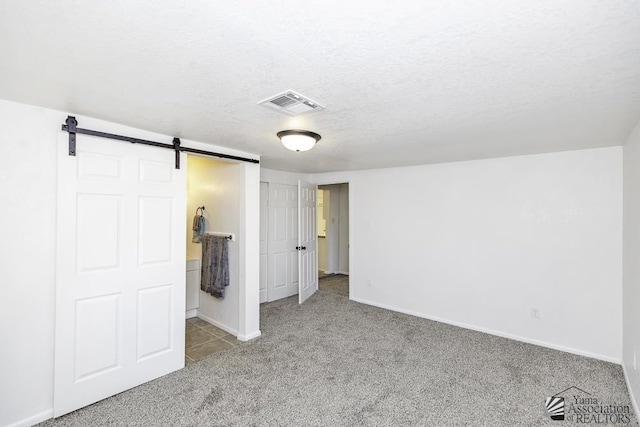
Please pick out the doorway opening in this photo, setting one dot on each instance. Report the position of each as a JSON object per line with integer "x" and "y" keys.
{"x": 333, "y": 238}
{"x": 213, "y": 189}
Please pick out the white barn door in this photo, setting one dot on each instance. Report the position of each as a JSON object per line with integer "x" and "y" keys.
{"x": 120, "y": 279}
{"x": 307, "y": 241}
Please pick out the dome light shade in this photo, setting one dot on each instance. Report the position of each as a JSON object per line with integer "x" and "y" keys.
{"x": 298, "y": 140}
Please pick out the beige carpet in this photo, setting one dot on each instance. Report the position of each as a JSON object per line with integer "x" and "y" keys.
{"x": 334, "y": 362}
{"x": 334, "y": 284}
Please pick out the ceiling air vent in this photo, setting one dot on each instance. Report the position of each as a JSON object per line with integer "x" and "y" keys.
{"x": 291, "y": 103}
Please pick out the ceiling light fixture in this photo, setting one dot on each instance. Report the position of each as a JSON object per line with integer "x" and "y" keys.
{"x": 298, "y": 140}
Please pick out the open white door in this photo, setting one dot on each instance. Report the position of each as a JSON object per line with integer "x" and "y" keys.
{"x": 120, "y": 279}
{"x": 283, "y": 236}
{"x": 264, "y": 240}
{"x": 307, "y": 241}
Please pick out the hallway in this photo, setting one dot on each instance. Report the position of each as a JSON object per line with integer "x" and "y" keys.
{"x": 337, "y": 284}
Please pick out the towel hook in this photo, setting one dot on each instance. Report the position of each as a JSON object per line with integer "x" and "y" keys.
{"x": 200, "y": 208}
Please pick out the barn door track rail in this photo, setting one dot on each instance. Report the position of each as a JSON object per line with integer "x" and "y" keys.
{"x": 71, "y": 126}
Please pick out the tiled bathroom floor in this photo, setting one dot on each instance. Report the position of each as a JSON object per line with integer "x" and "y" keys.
{"x": 203, "y": 339}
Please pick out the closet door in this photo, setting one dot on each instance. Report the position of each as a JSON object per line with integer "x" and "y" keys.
{"x": 307, "y": 241}
{"x": 282, "y": 266}
{"x": 120, "y": 279}
{"x": 264, "y": 240}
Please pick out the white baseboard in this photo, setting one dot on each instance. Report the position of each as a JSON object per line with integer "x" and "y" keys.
{"x": 634, "y": 402}
{"x": 191, "y": 313}
{"x": 247, "y": 337}
{"x": 493, "y": 332}
{"x": 220, "y": 325}
{"x": 34, "y": 419}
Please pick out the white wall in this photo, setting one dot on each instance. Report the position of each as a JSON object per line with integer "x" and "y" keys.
{"x": 479, "y": 243}
{"x": 249, "y": 242}
{"x": 631, "y": 266}
{"x": 28, "y": 137}
{"x": 280, "y": 177}
{"x": 215, "y": 184}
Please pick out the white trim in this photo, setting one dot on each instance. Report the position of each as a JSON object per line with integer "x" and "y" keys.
{"x": 634, "y": 402}
{"x": 250, "y": 336}
{"x": 222, "y": 326}
{"x": 249, "y": 235}
{"x": 191, "y": 313}
{"x": 493, "y": 332}
{"x": 34, "y": 419}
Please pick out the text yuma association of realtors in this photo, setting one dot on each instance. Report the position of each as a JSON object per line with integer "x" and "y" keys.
{"x": 589, "y": 410}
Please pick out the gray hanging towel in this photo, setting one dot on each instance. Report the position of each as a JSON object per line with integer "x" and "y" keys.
{"x": 198, "y": 228}
{"x": 214, "y": 276}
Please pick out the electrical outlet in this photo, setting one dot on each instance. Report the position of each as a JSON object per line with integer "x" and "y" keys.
{"x": 535, "y": 312}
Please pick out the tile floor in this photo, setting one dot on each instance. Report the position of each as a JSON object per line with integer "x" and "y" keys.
{"x": 203, "y": 339}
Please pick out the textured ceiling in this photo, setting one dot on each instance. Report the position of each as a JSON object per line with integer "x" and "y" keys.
{"x": 404, "y": 83}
